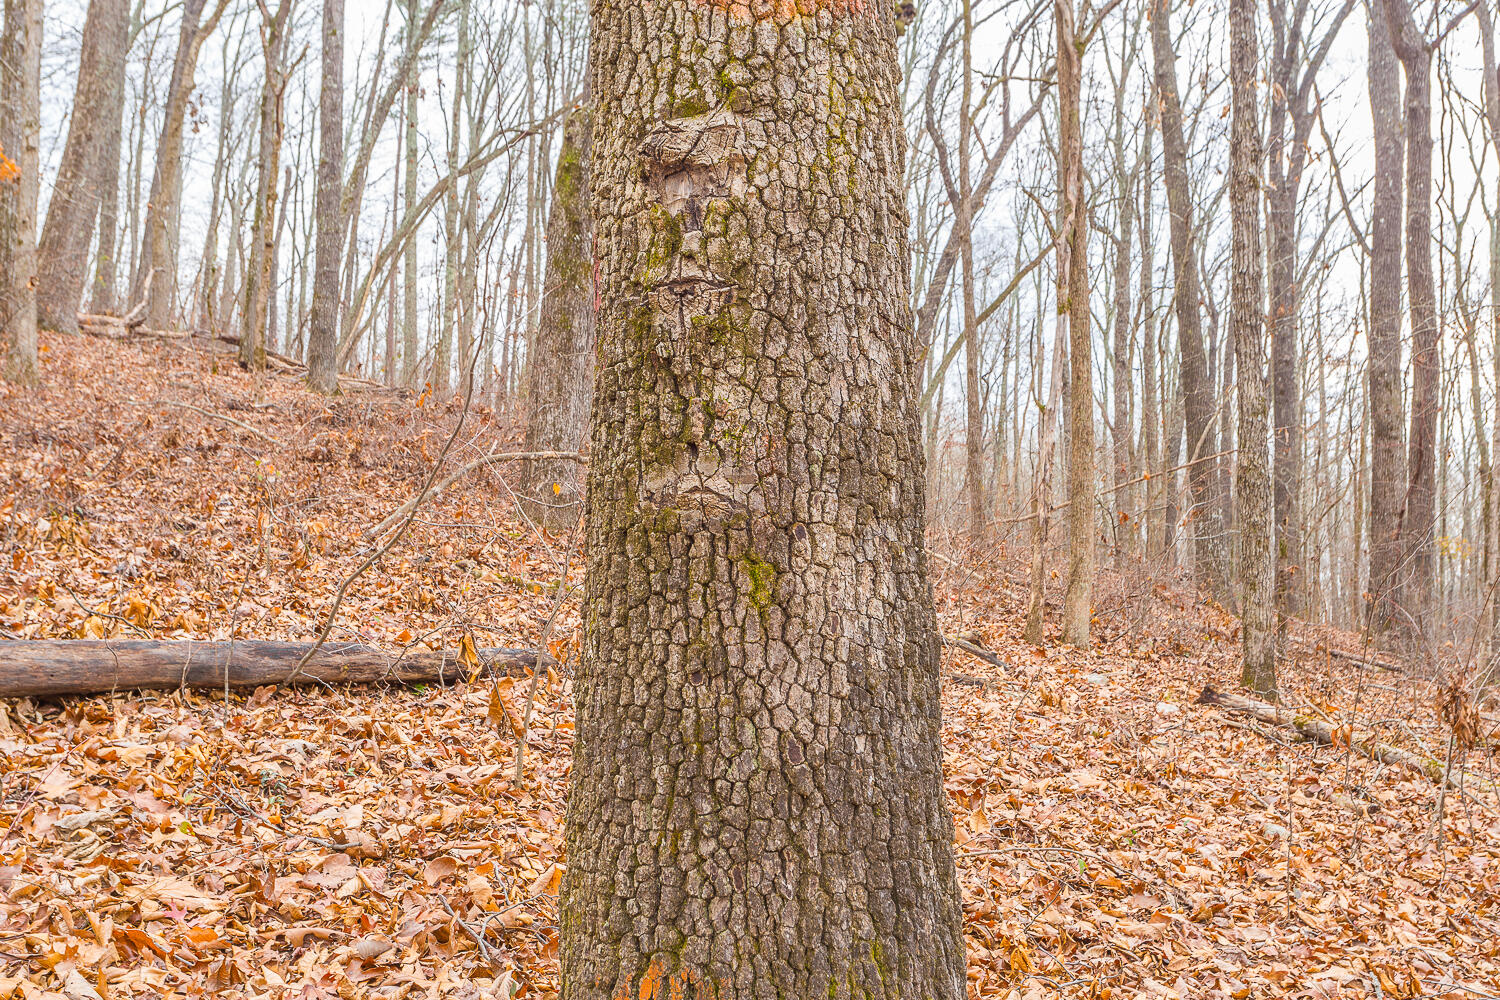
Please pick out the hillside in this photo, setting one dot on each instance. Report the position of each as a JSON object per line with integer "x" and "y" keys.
{"x": 1114, "y": 838}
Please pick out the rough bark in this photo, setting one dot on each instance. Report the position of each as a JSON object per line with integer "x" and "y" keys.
{"x": 53, "y": 668}
{"x": 1196, "y": 385}
{"x": 1419, "y": 525}
{"x": 1387, "y": 435}
{"x": 20, "y": 129}
{"x": 323, "y": 320}
{"x": 1080, "y": 580}
{"x": 560, "y": 372}
{"x": 1252, "y": 494}
{"x": 62, "y": 254}
{"x": 757, "y": 805}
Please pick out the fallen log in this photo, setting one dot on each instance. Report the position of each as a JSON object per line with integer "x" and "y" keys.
{"x": 1322, "y": 732}
{"x": 48, "y": 668}
{"x": 1357, "y": 659}
{"x": 104, "y": 325}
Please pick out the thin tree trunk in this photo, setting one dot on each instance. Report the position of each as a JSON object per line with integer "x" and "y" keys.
{"x": 1418, "y": 590}
{"x": 756, "y": 806}
{"x": 323, "y": 321}
{"x": 560, "y": 374}
{"x": 159, "y": 241}
{"x": 1247, "y": 318}
{"x": 1080, "y": 582}
{"x": 20, "y": 132}
{"x": 1151, "y": 431}
{"x": 1388, "y": 440}
{"x": 974, "y": 490}
{"x": 1492, "y": 491}
{"x": 1196, "y": 385}
{"x": 261, "y": 269}
{"x": 408, "y": 201}
{"x": 62, "y": 254}
{"x": 1121, "y": 471}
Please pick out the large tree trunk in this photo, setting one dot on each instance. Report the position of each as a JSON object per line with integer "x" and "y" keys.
{"x": 159, "y": 240}
{"x": 1252, "y": 492}
{"x": 323, "y": 321}
{"x": 1080, "y": 582}
{"x": 52, "y": 668}
{"x": 756, "y": 806}
{"x": 260, "y": 273}
{"x": 1387, "y": 436}
{"x": 560, "y": 373}
{"x": 20, "y": 129}
{"x": 62, "y": 254}
{"x": 1197, "y": 386}
{"x": 1418, "y": 527}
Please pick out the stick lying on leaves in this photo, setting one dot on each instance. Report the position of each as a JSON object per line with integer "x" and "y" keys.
{"x": 1323, "y": 732}
{"x": 493, "y": 458}
{"x": 47, "y": 668}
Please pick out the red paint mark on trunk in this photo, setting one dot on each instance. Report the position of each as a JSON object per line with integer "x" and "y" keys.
{"x": 782, "y": 10}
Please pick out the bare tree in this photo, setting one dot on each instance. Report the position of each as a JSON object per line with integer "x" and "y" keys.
{"x": 157, "y": 260}
{"x": 1073, "y": 303}
{"x": 560, "y": 372}
{"x": 62, "y": 254}
{"x": 259, "y": 275}
{"x": 1420, "y": 520}
{"x": 1295, "y": 60}
{"x": 1247, "y": 319}
{"x": 738, "y": 516}
{"x": 323, "y": 322}
{"x": 1196, "y": 384}
{"x": 20, "y": 127}
{"x": 1387, "y": 437}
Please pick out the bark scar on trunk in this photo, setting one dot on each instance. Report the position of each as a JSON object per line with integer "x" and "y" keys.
{"x": 690, "y": 160}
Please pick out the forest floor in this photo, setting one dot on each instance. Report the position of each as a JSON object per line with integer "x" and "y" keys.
{"x": 1114, "y": 839}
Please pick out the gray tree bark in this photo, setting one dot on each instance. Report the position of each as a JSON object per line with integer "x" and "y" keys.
{"x": 1294, "y": 64}
{"x": 1418, "y": 528}
{"x": 1080, "y": 581}
{"x": 62, "y": 254}
{"x": 756, "y": 806}
{"x": 1387, "y": 435}
{"x": 1492, "y": 494}
{"x": 157, "y": 260}
{"x": 1252, "y": 494}
{"x": 262, "y": 264}
{"x": 560, "y": 372}
{"x": 20, "y": 131}
{"x": 323, "y": 320}
{"x": 408, "y": 200}
{"x": 1196, "y": 385}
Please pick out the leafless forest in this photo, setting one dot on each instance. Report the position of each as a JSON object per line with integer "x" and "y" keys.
{"x": 778, "y": 415}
